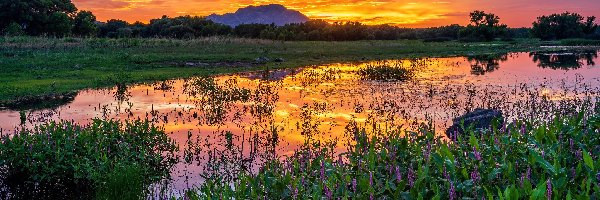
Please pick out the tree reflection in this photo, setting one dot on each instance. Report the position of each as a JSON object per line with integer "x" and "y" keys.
{"x": 564, "y": 60}
{"x": 483, "y": 64}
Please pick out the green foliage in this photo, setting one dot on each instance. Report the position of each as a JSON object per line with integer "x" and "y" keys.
{"x": 78, "y": 160}
{"x": 124, "y": 182}
{"x": 50, "y": 16}
{"x": 526, "y": 159}
{"x": 483, "y": 27}
{"x": 386, "y": 71}
{"x": 565, "y": 25}
{"x": 13, "y": 29}
{"x": 84, "y": 24}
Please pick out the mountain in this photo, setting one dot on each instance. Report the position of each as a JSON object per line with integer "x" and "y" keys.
{"x": 266, "y": 14}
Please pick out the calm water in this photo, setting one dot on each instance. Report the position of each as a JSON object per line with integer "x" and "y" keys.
{"x": 286, "y": 105}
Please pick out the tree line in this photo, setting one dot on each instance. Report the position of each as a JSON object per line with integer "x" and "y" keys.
{"x": 61, "y": 18}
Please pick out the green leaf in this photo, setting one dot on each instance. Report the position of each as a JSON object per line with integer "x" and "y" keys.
{"x": 473, "y": 141}
{"x": 545, "y": 164}
{"x": 588, "y": 160}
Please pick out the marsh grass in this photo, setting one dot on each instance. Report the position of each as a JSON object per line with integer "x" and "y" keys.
{"x": 389, "y": 71}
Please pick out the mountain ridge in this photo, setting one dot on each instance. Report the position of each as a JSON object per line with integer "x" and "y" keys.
{"x": 265, "y": 14}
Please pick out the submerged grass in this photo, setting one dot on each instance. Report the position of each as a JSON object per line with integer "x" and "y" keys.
{"x": 33, "y": 66}
{"x": 63, "y": 160}
{"x": 523, "y": 160}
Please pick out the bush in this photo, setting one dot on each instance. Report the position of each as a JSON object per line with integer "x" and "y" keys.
{"x": 64, "y": 160}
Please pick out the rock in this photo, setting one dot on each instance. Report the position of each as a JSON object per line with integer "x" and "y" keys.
{"x": 261, "y": 60}
{"x": 279, "y": 60}
{"x": 480, "y": 119}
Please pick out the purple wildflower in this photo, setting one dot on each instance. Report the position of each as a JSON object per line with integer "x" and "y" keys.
{"x": 549, "y": 189}
{"x": 328, "y": 193}
{"x": 476, "y": 154}
{"x": 370, "y": 178}
{"x": 523, "y": 130}
{"x": 354, "y": 185}
{"x": 571, "y": 143}
{"x": 294, "y": 192}
{"x": 399, "y": 175}
{"x": 475, "y": 175}
{"x": 451, "y": 191}
{"x": 411, "y": 177}
{"x": 446, "y": 175}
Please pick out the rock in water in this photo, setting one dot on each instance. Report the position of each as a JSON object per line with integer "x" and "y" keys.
{"x": 480, "y": 119}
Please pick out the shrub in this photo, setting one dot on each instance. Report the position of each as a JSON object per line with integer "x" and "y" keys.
{"x": 65, "y": 160}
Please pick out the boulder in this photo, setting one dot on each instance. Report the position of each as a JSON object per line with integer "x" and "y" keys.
{"x": 261, "y": 60}
{"x": 479, "y": 119}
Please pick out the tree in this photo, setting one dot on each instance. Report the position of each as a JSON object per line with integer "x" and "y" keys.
{"x": 13, "y": 29}
{"x": 483, "y": 27}
{"x": 37, "y": 17}
{"x": 565, "y": 25}
{"x": 84, "y": 24}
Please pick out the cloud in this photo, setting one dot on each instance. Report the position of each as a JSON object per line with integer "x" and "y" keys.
{"x": 413, "y": 13}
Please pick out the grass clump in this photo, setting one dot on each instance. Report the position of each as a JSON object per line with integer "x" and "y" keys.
{"x": 63, "y": 160}
{"x": 384, "y": 71}
{"x": 521, "y": 160}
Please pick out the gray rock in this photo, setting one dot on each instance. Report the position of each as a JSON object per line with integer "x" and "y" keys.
{"x": 261, "y": 60}
{"x": 279, "y": 60}
{"x": 480, "y": 119}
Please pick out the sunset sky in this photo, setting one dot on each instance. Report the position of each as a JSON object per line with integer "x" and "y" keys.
{"x": 408, "y": 13}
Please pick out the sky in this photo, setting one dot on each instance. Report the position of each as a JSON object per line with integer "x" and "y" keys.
{"x": 405, "y": 13}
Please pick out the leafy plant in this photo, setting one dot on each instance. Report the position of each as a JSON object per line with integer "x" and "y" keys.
{"x": 75, "y": 159}
{"x": 524, "y": 159}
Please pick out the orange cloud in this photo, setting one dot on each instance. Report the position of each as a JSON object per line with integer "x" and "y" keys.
{"x": 410, "y": 13}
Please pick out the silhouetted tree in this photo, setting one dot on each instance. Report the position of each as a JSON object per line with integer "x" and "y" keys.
{"x": 84, "y": 24}
{"x": 483, "y": 27}
{"x": 37, "y": 17}
{"x": 565, "y": 25}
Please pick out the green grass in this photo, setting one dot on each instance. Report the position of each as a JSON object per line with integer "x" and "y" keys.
{"x": 34, "y": 66}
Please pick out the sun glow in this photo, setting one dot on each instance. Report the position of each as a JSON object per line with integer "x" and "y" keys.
{"x": 409, "y": 13}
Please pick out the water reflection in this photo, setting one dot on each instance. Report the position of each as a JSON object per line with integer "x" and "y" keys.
{"x": 229, "y": 124}
{"x": 483, "y": 64}
{"x": 565, "y": 60}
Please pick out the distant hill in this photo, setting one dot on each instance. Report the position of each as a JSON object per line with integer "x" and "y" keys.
{"x": 267, "y": 14}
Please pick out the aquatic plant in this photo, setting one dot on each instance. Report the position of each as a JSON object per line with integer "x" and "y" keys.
{"x": 548, "y": 160}
{"x": 386, "y": 71}
{"x": 60, "y": 160}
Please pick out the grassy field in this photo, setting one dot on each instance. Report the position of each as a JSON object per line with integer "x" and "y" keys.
{"x": 31, "y": 67}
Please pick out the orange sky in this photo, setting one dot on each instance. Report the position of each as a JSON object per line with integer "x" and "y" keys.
{"x": 410, "y": 13}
